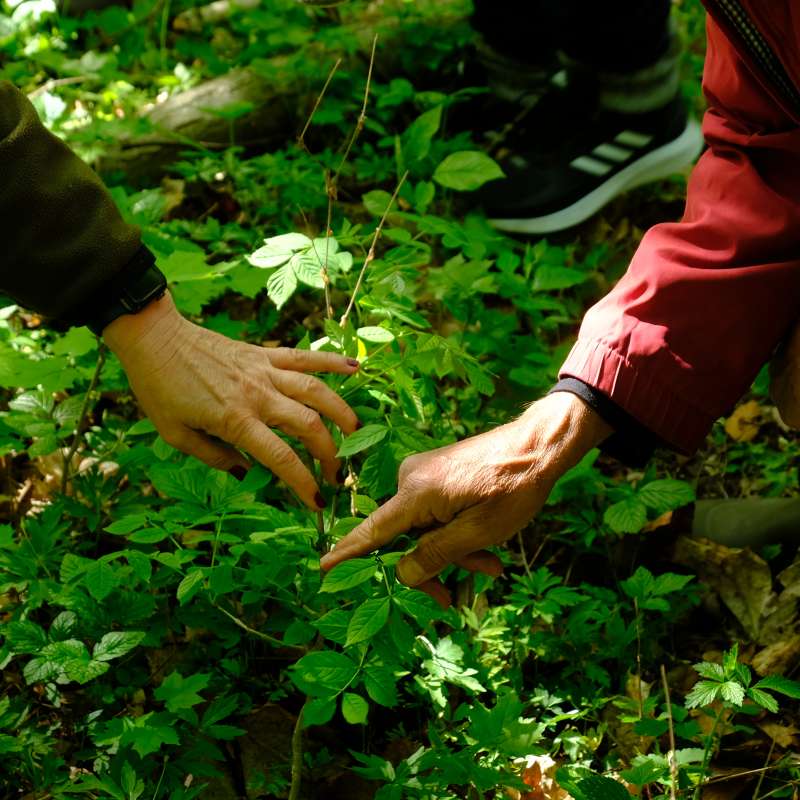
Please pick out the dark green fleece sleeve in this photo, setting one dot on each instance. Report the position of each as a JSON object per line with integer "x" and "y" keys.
{"x": 63, "y": 238}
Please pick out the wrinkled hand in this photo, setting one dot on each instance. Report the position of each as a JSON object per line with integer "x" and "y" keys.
{"x": 784, "y": 373}
{"x": 476, "y": 493}
{"x": 199, "y": 387}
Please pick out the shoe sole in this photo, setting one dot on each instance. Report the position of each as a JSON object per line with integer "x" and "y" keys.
{"x": 659, "y": 163}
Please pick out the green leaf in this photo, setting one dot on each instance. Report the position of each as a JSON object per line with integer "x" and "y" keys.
{"x": 41, "y": 670}
{"x": 703, "y": 694}
{"x": 777, "y": 683}
{"x": 419, "y": 605}
{"x": 323, "y": 674}
{"x": 219, "y": 708}
{"x": 178, "y": 692}
{"x": 732, "y": 692}
{"x": 551, "y": 278}
{"x": 467, "y": 170}
{"x": 100, "y": 580}
{"x": 63, "y": 626}
{"x": 281, "y": 285}
{"x": 376, "y": 334}
{"x": 378, "y": 473}
{"x": 190, "y": 585}
{"x": 710, "y": 670}
{"x": 349, "y": 574}
{"x": 598, "y": 787}
{"x": 381, "y": 685}
{"x": 354, "y": 708}
{"x": 319, "y": 711}
{"x": 308, "y": 269}
{"x": 333, "y": 625}
{"x": 416, "y": 140}
{"x": 666, "y": 495}
{"x": 116, "y": 644}
{"x": 367, "y": 620}
{"x": 25, "y": 636}
{"x": 763, "y": 699}
{"x": 650, "y": 727}
{"x": 627, "y": 516}
{"x": 147, "y": 733}
{"x": 362, "y": 439}
{"x": 376, "y": 201}
{"x": 84, "y": 671}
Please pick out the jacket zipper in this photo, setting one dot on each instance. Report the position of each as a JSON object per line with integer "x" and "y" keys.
{"x": 760, "y": 50}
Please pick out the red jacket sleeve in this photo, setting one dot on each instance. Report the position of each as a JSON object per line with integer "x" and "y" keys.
{"x": 706, "y": 300}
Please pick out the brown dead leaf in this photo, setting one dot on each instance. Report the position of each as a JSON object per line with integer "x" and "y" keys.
{"x": 743, "y": 425}
{"x": 539, "y": 774}
{"x": 778, "y": 658}
{"x": 782, "y": 735}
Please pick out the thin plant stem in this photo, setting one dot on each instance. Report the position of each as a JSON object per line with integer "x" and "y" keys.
{"x": 371, "y": 254}
{"x": 673, "y": 767}
{"x": 709, "y": 748}
{"x": 301, "y": 139}
{"x": 253, "y": 632}
{"x": 297, "y": 754}
{"x": 757, "y": 791}
{"x": 102, "y": 351}
{"x": 161, "y": 777}
{"x": 362, "y": 117}
{"x": 638, "y": 659}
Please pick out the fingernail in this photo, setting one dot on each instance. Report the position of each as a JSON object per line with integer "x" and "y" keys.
{"x": 359, "y": 425}
{"x": 238, "y": 472}
{"x": 319, "y": 500}
{"x": 351, "y": 362}
{"x": 409, "y": 572}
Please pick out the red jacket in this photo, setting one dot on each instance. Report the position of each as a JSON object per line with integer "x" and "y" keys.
{"x": 706, "y": 300}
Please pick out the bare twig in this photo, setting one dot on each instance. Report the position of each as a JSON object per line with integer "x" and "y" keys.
{"x": 362, "y": 117}
{"x": 371, "y": 254}
{"x": 54, "y": 83}
{"x": 102, "y": 351}
{"x": 297, "y": 754}
{"x": 757, "y": 791}
{"x": 301, "y": 139}
{"x": 673, "y": 767}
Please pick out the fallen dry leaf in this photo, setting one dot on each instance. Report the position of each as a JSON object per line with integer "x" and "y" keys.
{"x": 778, "y": 658}
{"x": 743, "y": 425}
{"x": 782, "y": 735}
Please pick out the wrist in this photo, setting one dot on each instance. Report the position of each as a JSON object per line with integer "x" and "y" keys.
{"x": 130, "y": 332}
{"x": 559, "y": 430}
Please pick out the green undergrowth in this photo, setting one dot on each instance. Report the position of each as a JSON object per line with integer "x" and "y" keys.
{"x": 151, "y": 608}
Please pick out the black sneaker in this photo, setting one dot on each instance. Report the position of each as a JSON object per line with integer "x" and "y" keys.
{"x": 565, "y": 163}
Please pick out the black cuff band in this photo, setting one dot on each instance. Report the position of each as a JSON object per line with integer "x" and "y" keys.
{"x": 631, "y": 442}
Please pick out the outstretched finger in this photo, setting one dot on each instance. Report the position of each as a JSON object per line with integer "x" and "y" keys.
{"x": 303, "y": 423}
{"x": 379, "y": 528}
{"x": 271, "y": 451}
{"x": 311, "y": 361}
{"x": 313, "y": 393}
{"x": 482, "y": 561}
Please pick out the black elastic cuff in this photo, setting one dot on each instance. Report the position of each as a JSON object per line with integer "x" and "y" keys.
{"x": 109, "y": 292}
{"x": 631, "y": 443}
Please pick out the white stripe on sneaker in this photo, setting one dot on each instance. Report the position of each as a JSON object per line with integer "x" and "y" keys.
{"x": 612, "y": 152}
{"x": 633, "y": 138}
{"x": 590, "y": 165}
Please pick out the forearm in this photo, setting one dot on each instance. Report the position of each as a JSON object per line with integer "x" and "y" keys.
{"x": 63, "y": 238}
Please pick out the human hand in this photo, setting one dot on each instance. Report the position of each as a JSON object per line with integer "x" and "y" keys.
{"x": 476, "y": 493}
{"x": 199, "y": 387}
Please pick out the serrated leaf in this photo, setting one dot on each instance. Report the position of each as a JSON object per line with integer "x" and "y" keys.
{"x": 189, "y": 586}
{"x": 41, "y": 670}
{"x": 366, "y": 437}
{"x": 116, "y": 644}
{"x": 381, "y": 685}
{"x": 308, "y": 269}
{"x": 367, "y": 620}
{"x": 777, "y": 683}
{"x": 702, "y": 694}
{"x": 551, "y": 278}
{"x": 732, "y": 692}
{"x": 269, "y": 257}
{"x": 710, "y": 670}
{"x": 467, "y": 170}
{"x": 281, "y": 285}
{"x": 354, "y": 708}
{"x": 333, "y": 625}
{"x": 763, "y": 699}
{"x": 25, "y": 636}
{"x": 627, "y": 516}
{"x": 666, "y": 494}
{"x": 83, "y": 671}
{"x": 100, "y": 579}
{"x": 178, "y": 692}
{"x": 598, "y": 787}
{"x": 289, "y": 241}
{"x": 349, "y": 574}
